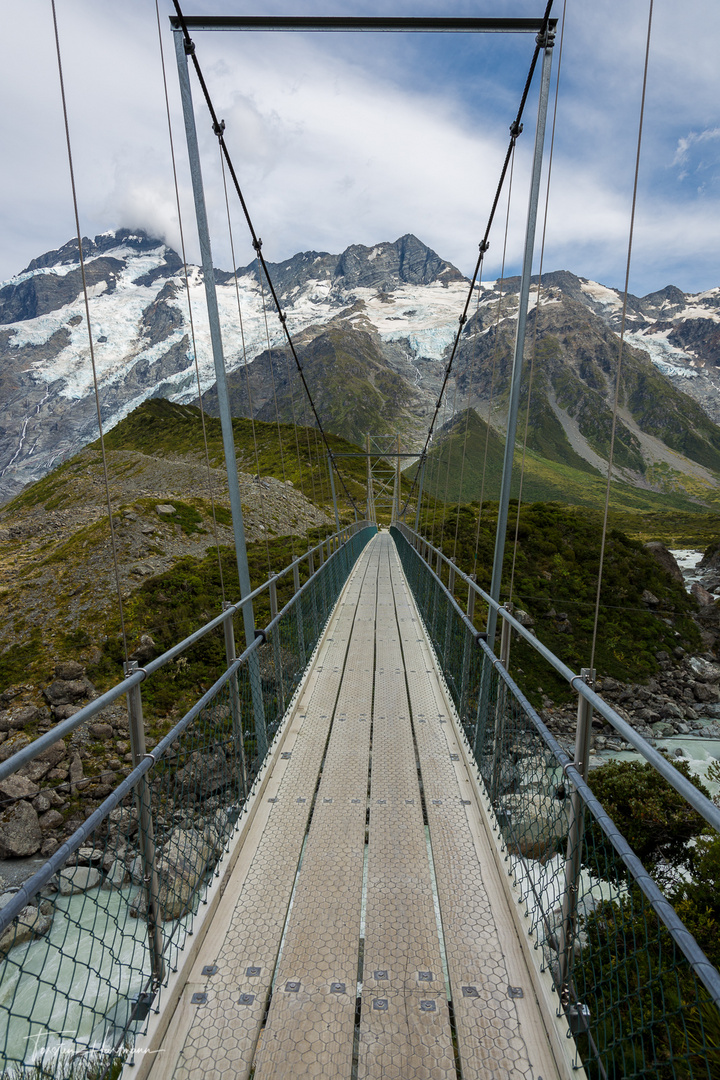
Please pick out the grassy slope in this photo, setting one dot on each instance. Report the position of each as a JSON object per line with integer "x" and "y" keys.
{"x": 556, "y": 567}
{"x": 544, "y": 479}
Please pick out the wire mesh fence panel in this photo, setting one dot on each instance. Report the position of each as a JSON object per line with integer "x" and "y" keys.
{"x": 639, "y": 996}
{"x": 88, "y": 942}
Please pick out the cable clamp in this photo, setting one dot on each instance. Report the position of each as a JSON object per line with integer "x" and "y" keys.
{"x": 546, "y": 40}
{"x": 257, "y": 244}
{"x": 484, "y": 245}
{"x": 515, "y": 129}
{"x": 219, "y": 128}
{"x": 261, "y": 634}
{"x": 462, "y": 320}
{"x": 572, "y": 765}
{"x": 189, "y": 47}
{"x": 282, "y": 317}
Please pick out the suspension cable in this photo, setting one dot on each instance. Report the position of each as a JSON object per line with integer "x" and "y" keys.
{"x": 537, "y": 307}
{"x": 189, "y": 303}
{"x": 622, "y": 340}
{"x": 89, "y": 331}
{"x": 496, "y": 350}
{"x": 263, "y": 509}
{"x": 463, "y": 458}
{"x": 515, "y": 130}
{"x": 218, "y": 128}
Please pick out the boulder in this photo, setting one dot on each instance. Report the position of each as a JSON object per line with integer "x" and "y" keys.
{"x": 20, "y": 832}
{"x": 18, "y": 720}
{"x": 706, "y": 693}
{"x": 101, "y": 731}
{"x": 54, "y": 753}
{"x": 31, "y": 923}
{"x": 164, "y": 509}
{"x": 64, "y": 712}
{"x": 78, "y": 879}
{"x": 18, "y": 787}
{"x": 204, "y": 774}
{"x": 12, "y": 745}
{"x": 116, "y": 876}
{"x": 68, "y": 670}
{"x": 65, "y": 691}
{"x": 145, "y": 650}
{"x": 665, "y": 558}
{"x": 703, "y": 597}
{"x": 41, "y": 803}
{"x": 704, "y": 670}
{"x": 52, "y": 819}
{"x": 183, "y": 862}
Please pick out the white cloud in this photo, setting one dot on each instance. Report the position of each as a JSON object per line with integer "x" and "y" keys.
{"x": 339, "y": 140}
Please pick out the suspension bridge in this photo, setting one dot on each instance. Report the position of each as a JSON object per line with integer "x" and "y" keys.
{"x": 360, "y": 853}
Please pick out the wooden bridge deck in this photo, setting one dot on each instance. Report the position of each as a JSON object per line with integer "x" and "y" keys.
{"x": 365, "y": 929}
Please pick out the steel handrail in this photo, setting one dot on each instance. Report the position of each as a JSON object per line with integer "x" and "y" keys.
{"x": 682, "y": 785}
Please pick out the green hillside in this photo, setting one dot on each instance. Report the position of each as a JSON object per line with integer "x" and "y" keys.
{"x": 545, "y": 479}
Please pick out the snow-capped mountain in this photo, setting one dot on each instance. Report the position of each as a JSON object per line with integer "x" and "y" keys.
{"x": 378, "y": 319}
{"x": 142, "y": 339}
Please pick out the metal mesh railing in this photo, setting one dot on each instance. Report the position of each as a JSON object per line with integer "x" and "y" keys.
{"x": 88, "y": 942}
{"x": 640, "y": 997}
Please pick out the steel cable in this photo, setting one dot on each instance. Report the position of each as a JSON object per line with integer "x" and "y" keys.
{"x": 187, "y": 291}
{"x": 218, "y": 128}
{"x": 622, "y": 339}
{"x": 89, "y": 331}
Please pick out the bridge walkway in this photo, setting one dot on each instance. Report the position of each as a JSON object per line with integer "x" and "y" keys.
{"x": 365, "y": 930}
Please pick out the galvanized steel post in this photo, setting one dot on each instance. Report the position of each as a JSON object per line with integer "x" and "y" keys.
{"x": 235, "y": 708}
{"x": 568, "y": 926}
{"x": 145, "y": 828}
{"x": 420, "y": 493}
{"x": 277, "y": 658}
{"x": 221, "y": 383}
{"x": 334, "y": 497}
{"x": 516, "y": 381}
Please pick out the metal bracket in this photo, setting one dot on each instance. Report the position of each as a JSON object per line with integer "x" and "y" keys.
{"x": 292, "y": 987}
{"x": 337, "y": 988}
{"x": 516, "y": 992}
{"x": 246, "y": 999}
{"x": 189, "y": 47}
{"x": 198, "y": 999}
{"x": 425, "y": 976}
{"x": 219, "y": 128}
{"x": 261, "y": 634}
{"x": 428, "y": 1006}
{"x": 252, "y": 972}
{"x": 380, "y": 1004}
{"x": 470, "y": 991}
{"x": 209, "y": 969}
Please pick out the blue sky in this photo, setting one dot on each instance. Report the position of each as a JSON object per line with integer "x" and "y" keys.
{"x": 361, "y": 138}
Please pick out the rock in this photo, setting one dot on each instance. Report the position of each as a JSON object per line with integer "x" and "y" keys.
{"x": 204, "y": 774}
{"x": 649, "y": 598}
{"x": 65, "y": 692}
{"x": 31, "y": 923}
{"x": 12, "y": 745}
{"x": 54, "y": 753}
{"x": 704, "y": 670}
{"x": 164, "y": 508}
{"x": 41, "y": 803}
{"x": 662, "y": 730}
{"x": 705, "y": 693}
{"x": 68, "y": 670}
{"x": 183, "y": 861}
{"x": 17, "y": 721}
{"x": 53, "y": 819}
{"x": 20, "y": 832}
{"x": 703, "y": 597}
{"x": 123, "y": 821}
{"x": 49, "y": 847}
{"x": 670, "y": 711}
{"x": 18, "y": 787}
{"x": 116, "y": 876}
{"x": 78, "y": 879}
{"x": 524, "y": 618}
{"x": 145, "y": 651}
{"x": 64, "y": 712}
{"x": 101, "y": 731}
{"x": 665, "y": 558}
{"x": 88, "y": 856}
{"x": 76, "y": 770}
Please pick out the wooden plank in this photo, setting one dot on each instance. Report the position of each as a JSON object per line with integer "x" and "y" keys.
{"x": 404, "y": 1026}
{"x": 311, "y": 1021}
{"x": 497, "y": 1035}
